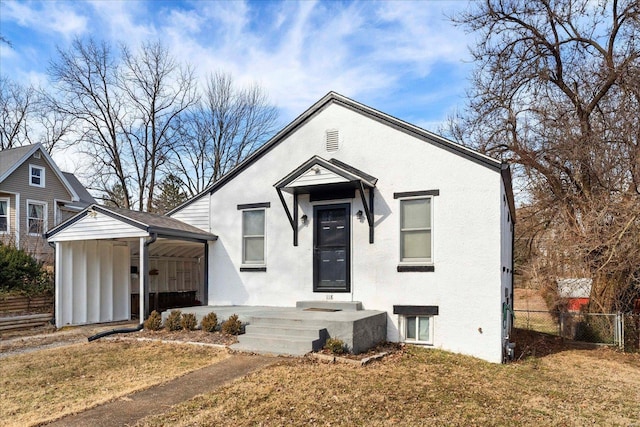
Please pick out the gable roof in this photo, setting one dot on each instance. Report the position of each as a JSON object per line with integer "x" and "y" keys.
{"x": 162, "y": 226}
{"x": 341, "y": 170}
{"x": 335, "y": 98}
{"x": 84, "y": 198}
{"x": 13, "y": 158}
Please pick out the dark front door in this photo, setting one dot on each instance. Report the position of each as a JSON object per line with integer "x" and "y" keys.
{"x": 331, "y": 251}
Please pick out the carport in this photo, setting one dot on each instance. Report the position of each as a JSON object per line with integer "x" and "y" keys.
{"x": 106, "y": 258}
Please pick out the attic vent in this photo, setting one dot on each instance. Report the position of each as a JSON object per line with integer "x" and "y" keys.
{"x": 36, "y": 155}
{"x": 332, "y": 140}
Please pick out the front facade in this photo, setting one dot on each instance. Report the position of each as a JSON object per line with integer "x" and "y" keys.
{"x": 34, "y": 197}
{"x": 350, "y": 204}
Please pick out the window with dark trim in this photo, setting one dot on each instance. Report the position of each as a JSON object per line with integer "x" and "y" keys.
{"x": 418, "y": 329}
{"x": 415, "y": 230}
{"x": 253, "y": 237}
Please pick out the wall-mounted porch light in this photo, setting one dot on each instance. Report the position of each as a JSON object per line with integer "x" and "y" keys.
{"x": 359, "y": 214}
{"x": 304, "y": 219}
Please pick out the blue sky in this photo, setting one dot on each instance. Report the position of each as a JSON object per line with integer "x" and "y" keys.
{"x": 403, "y": 58}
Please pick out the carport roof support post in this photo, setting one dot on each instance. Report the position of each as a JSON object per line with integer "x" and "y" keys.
{"x": 144, "y": 275}
{"x": 143, "y": 278}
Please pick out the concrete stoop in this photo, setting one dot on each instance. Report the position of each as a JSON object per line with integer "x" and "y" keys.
{"x": 280, "y": 336}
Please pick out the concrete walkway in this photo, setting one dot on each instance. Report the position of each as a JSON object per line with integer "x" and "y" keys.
{"x": 158, "y": 399}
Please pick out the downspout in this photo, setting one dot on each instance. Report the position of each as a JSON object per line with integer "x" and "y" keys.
{"x": 115, "y": 331}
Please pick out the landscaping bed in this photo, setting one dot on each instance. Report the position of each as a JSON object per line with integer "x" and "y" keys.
{"x": 198, "y": 336}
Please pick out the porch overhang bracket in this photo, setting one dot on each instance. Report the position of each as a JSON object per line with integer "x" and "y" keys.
{"x": 368, "y": 209}
{"x": 293, "y": 218}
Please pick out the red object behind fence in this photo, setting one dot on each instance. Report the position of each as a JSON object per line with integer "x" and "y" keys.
{"x": 576, "y": 304}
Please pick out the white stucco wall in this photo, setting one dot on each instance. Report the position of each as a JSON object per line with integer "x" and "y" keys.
{"x": 468, "y": 240}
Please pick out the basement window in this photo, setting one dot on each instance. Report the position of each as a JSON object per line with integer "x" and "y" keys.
{"x": 418, "y": 329}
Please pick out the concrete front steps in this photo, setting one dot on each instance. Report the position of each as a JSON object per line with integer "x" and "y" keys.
{"x": 280, "y": 336}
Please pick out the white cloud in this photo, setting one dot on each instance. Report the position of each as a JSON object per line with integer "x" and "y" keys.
{"x": 297, "y": 51}
{"x": 123, "y": 22}
{"x": 51, "y": 16}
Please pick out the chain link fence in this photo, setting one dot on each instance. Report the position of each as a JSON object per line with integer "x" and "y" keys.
{"x": 616, "y": 329}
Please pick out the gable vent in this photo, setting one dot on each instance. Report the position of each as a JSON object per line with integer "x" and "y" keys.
{"x": 332, "y": 140}
{"x": 36, "y": 155}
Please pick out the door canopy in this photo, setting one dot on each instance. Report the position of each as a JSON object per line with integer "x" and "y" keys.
{"x": 324, "y": 180}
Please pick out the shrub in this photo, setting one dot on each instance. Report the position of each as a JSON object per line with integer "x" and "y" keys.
{"x": 21, "y": 273}
{"x": 173, "y": 321}
{"x": 209, "y": 322}
{"x": 153, "y": 322}
{"x": 335, "y": 346}
{"x": 232, "y": 325}
{"x": 189, "y": 321}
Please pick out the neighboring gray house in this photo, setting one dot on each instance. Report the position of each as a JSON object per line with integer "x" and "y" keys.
{"x": 34, "y": 197}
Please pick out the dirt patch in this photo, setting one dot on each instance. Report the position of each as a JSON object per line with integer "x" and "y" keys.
{"x": 187, "y": 336}
{"x": 529, "y": 299}
{"x": 26, "y": 341}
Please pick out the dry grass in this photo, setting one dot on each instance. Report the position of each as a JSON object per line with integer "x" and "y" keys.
{"x": 420, "y": 387}
{"x": 48, "y": 384}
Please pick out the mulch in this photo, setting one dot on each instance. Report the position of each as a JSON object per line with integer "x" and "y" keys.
{"x": 187, "y": 336}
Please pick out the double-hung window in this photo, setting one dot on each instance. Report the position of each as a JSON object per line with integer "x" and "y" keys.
{"x": 36, "y": 176}
{"x": 4, "y": 215}
{"x": 253, "y": 237}
{"x": 415, "y": 230}
{"x": 36, "y": 217}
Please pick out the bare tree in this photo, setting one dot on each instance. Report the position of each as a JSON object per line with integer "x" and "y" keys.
{"x": 158, "y": 91}
{"x": 556, "y": 91}
{"x": 16, "y": 105}
{"x": 124, "y": 107}
{"x": 87, "y": 91}
{"x": 228, "y": 124}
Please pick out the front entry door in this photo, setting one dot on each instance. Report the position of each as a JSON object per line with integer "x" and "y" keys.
{"x": 331, "y": 248}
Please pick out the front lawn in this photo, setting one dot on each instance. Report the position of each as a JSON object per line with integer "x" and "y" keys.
{"x": 427, "y": 387}
{"x": 48, "y": 384}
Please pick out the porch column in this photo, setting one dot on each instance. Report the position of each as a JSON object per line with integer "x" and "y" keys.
{"x": 57, "y": 308}
{"x": 205, "y": 284}
{"x": 143, "y": 280}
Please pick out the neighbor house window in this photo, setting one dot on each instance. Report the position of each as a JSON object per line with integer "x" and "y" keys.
{"x": 36, "y": 217}
{"x": 253, "y": 237}
{"x": 4, "y": 215}
{"x": 36, "y": 176}
{"x": 415, "y": 230}
{"x": 418, "y": 329}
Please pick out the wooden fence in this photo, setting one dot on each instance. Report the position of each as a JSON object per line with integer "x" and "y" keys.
{"x": 13, "y": 304}
{"x": 20, "y": 312}
{"x": 15, "y": 323}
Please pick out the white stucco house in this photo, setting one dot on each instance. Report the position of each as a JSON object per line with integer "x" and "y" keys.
{"x": 345, "y": 204}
